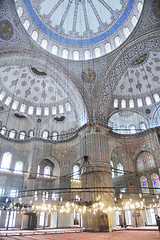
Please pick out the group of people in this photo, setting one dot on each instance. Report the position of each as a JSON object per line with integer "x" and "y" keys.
{"x": 158, "y": 222}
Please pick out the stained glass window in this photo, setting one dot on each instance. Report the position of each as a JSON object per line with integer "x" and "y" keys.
{"x": 144, "y": 185}
{"x": 155, "y": 183}
{"x": 150, "y": 161}
{"x": 140, "y": 164}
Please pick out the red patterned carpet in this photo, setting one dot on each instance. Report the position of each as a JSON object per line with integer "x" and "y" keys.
{"x": 119, "y": 235}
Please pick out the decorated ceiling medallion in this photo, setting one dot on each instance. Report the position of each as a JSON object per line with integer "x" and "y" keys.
{"x": 60, "y": 119}
{"x": 6, "y": 30}
{"x": 88, "y": 75}
{"x": 91, "y": 28}
{"x": 139, "y": 60}
{"x": 39, "y": 120}
{"x": 37, "y": 72}
{"x": 148, "y": 111}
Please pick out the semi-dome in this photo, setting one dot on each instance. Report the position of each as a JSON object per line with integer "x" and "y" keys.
{"x": 79, "y": 29}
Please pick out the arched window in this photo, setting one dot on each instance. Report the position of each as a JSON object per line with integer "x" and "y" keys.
{"x": 44, "y": 43}
{"x": 108, "y": 47}
{"x": 140, "y": 7}
{"x": 18, "y": 167}
{"x": 97, "y": 52}
{"x": 63, "y": 135}
{"x": 30, "y": 110}
{"x": 144, "y": 185}
{"x": 117, "y": 41}
{"x": 3, "y": 130}
{"x": 2, "y": 95}
{"x": 12, "y": 134}
{"x": 22, "y": 108}
{"x": 54, "y": 50}
{"x": 45, "y": 134}
{"x": 87, "y": 55}
{"x": 123, "y": 103}
{"x": 22, "y": 135}
{"x": 142, "y": 126}
{"x": 75, "y": 55}
{"x": 132, "y": 129}
{"x": 8, "y": 101}
{"x": 120, "y": 169}
{"x": 46, "y": 111}
{"x": 54, "y": 136}
{"x": 54, "y": 110}
{"x": 140, "y": 164}
{"x": 26, "y": 24}
{"x": 126, "y": 32}
{"x": 76, "y": 173}
{"x": 20, "y": 11}
{"x": 155, "y": 183}
{"x": 131, "y": 103}
{"x": 148, "y": 100}
{"x": 6, "y": 161}
{"x": 156, "y": 97}
{"x": 38, "y": 111}
{"x": 68, "y": 107}
{"x": 65, "y": 53}
{"x": 134, "y": 21}
{"x": 47, "y": 172}
{"x": 112, "y": 168}
{"x": 31, "y": 134}
{"x": 139, "y": 102}
{"x": 34, "y": 35}
{"x": 61, "y": 110}
{"x": 15, "y": 105}
{"x": 115, "y": 103}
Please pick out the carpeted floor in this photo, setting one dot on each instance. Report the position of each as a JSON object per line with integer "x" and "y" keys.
{"x": 118, "y": 235}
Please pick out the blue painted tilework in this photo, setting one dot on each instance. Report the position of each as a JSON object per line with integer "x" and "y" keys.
{"x": 79, "y": 42}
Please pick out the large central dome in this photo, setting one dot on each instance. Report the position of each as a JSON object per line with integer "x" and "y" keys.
{"x": 79, "y": 29}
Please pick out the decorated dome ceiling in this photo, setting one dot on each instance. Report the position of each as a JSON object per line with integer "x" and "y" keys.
{"x": 33, "y": 88}
{"x": 79, "y": 29}
{"x": 142, "y": 78}
{"x": 30, "y": 86}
